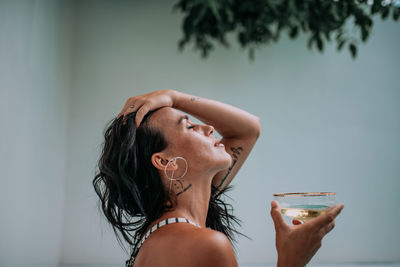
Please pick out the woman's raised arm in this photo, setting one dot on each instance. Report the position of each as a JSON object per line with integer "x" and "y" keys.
{"x": 238, "y": 128}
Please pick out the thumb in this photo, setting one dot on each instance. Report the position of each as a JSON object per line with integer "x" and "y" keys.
{"x": 277, "y": 216}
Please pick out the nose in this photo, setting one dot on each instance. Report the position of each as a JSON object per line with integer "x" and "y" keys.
{"x": 208, "y": 130}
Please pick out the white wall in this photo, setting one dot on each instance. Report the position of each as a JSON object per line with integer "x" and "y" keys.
{"x": 329, "y": 123}
{"x": 33, "y": 119}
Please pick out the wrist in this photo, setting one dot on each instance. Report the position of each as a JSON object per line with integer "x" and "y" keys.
{"x": 282, "y": 262}
{"x": 176, "y": 98}
{"x": 287, "y": 262}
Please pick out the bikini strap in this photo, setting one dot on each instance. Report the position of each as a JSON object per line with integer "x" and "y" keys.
{"x": 134, "y": 252}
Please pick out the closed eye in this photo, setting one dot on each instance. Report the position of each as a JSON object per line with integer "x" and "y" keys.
{"x": 190, "y": 127}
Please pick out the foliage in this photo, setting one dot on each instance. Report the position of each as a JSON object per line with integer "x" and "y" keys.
{"x": 258, "y": 22}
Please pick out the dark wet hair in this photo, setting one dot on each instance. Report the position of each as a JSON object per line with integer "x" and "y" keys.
{"x": 131, "y": 192}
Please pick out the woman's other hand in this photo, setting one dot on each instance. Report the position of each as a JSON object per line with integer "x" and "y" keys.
{"x": 297, "y": 244}
{"x": 142, "y": 104}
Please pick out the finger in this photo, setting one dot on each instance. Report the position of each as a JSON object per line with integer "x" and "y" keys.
{"x": 123, "y": 108}
{"x": 326, "y": 229}
{"x": 327, "y": 218}
{"x": 276, "y": 215}
{"x": 126, "y": 113}
{"x": 131, "y": 108}
{"x": 141, "y": 113}
{"x": 120, "y": 113}
{"x": 314, "y": 249}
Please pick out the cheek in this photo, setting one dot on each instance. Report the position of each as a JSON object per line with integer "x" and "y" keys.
{"x": 186, "y": 147}
{"x": 195, "y": 149}
{"x": 192, "y": 143}
{"x": 200, "y": 150}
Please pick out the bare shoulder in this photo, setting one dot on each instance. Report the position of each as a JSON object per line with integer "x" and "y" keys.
{"x": 210, "y": 248}
{"x": 209, "y": 236}
{"x": 183, "y": 245}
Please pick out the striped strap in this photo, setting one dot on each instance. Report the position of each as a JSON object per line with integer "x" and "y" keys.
{"x": 152, "y": 230}
{"x": 165, "y": 222}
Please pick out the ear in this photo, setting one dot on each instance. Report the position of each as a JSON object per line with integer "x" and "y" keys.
{"x": 159, "y": 160}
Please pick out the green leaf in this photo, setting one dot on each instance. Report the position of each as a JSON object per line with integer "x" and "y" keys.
{"x": 364, "y": 33}
{"x": 310, "y": 41}
{"x": 396, "y": 13}
{"x": 353, "y": 50}
{"x": 181, "y": 44}
{"x": 376, "y": 6}
{"x": 293, "y": 32}
{"x": 341, "y": 44}
{"x": 213, "y": 4}
{"x": 327, "y": 36}
{"x": 262, "y": 21}
{"x": 385, "y": 13}
{"x": 242, "y": 39}
{"x": 303, "y": 26}
{"x": 369, "y": 22}
{"x": 199, "y": 16}
{"x": 320, "y": 44}
{"x": 339, "y": 35}
{"x": 230, "y": 16}
{"x": 335, "y": 11}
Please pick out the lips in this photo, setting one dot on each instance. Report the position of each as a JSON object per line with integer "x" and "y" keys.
{"x": 218, "y": 144}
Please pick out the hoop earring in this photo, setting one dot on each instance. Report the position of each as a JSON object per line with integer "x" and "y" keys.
{"x": 171, "y": 178}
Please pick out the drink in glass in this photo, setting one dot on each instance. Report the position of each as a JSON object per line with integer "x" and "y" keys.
{"x": 305, "y": 206}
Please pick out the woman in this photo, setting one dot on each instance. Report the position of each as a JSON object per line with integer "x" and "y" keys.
{"x": 167, "y": 172}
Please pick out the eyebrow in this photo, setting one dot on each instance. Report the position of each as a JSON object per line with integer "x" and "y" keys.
{"x": 184, "y": 117}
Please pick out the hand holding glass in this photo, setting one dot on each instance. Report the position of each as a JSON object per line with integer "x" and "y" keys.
{"x": 305, "y": 206}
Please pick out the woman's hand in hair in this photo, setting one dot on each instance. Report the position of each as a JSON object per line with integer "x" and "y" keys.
{"x": 297, "y": 244}
{"x": 143, "y": 104}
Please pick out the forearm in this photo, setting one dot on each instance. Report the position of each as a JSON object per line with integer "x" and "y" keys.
{"x": 229, "y": 121}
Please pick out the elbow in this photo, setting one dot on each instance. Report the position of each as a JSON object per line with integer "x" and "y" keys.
{"x": 257, "y": 127}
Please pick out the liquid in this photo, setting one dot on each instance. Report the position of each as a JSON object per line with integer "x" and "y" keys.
{"x": 304, "y": 212}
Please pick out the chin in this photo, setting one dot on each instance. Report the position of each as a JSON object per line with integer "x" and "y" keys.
{"x": 230, "y": 161}
{"x": 226, "y": 163}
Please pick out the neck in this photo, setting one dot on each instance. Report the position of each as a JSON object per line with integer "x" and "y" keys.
{"x": 192, "y": 199}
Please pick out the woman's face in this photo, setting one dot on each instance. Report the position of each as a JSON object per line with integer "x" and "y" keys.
{"x": 194, "y": 142}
